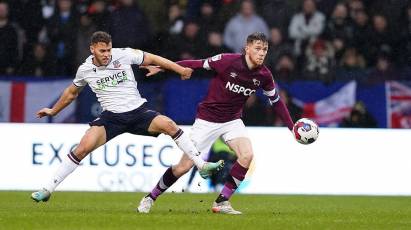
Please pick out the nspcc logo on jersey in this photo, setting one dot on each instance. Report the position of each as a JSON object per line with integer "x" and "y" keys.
{"x": 112, "y": 80}
{"x": 239, "y": 89}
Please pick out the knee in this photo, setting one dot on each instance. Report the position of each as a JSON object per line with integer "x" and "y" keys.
{"x": 245, "y": 158}
{"x": 169, "y": 127}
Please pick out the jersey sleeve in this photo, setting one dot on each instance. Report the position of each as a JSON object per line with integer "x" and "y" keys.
{"x": 269, "y": 88}
{"x": 79, "y": 78}
{"x": 217, "y": 63}
{"x": 134, "y": 56}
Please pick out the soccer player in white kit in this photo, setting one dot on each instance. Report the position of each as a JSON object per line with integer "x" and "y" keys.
{"x": 108, "y": 72}
{"x": 236, "y": 77}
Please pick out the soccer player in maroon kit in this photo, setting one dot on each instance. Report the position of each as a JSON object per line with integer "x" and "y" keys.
{"x": 236, "y": 77}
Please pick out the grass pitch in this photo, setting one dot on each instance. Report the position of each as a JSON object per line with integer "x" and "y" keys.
{"x": 109, "y": 210}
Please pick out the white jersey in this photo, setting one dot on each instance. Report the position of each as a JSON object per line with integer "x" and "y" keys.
{"x": 114, "y": 84}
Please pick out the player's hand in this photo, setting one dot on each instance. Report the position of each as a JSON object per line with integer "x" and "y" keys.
{"x": 152, "y": 69}
{"x": 45, "y": 112}
{"x": 186, "y": 74}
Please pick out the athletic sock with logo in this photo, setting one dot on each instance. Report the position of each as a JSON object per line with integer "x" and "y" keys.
{"x": 67, "y": 166}
{"x": 237, "y": 174}
{"x": 163, "y": 184}
{"x": 184, "y": 142}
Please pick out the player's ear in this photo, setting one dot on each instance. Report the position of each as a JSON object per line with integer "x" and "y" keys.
{"x": 92, "y": 49}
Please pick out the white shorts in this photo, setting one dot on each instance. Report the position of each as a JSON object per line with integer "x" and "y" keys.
{"x": 205, "y": 133}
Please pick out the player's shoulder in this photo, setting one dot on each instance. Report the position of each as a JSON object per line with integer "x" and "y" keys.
{"x": 265, "y": 71}
{"x": 117, "y": 53}
{"x": 123, "y": 54}
{"x": 86, "y": 66}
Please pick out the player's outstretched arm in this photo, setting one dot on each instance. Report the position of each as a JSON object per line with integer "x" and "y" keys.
{"x": 164, "y": 63}
{"x": 69, "y": 95}
{"x": 281, "y": 110}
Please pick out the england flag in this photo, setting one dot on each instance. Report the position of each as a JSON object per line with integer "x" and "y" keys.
{"x": 19, "y": 101}
{"x": 398, "y": 104}
{"x": 331, "y": 110}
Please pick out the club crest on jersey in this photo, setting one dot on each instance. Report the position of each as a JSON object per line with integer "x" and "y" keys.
{"x": 256, "y": 82}
{"x": 233, "y": 75}
{"x": 116, "y": 64}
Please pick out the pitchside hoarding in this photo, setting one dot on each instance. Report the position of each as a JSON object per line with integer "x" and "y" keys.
{"x": 342, "y": 161}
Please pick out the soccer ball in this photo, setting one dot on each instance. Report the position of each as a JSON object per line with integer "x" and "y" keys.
{"x": 305, "y": 131}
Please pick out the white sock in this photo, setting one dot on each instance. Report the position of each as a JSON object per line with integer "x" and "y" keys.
{"x": 184, "y": 142}
{"x": 68, "y": 165}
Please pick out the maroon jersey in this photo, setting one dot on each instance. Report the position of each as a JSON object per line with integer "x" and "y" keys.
{"x": 231, "y": 86}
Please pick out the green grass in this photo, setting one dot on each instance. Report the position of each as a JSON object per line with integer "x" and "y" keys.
{"x": 86, "y": 210}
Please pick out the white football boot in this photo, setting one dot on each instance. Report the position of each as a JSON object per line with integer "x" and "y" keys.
{"x": 224, "y": 208}
{"x": 145, "y": 205}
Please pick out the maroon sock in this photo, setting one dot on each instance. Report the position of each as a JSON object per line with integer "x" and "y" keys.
{"x": 237, "y": 174}
{"x": 163, "y": 184}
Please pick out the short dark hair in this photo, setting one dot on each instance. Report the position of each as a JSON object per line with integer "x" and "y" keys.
{"x": 257, "y": 36}
{"x": 100, "y": 36}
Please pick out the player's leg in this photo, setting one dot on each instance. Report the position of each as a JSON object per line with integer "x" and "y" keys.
{"x": 203, "y": 136}
{"x": 237, "y": 140}
{"x": 163, "y": 124}
{"x": 242, "y": 148}
{"x": 169, "y": 177}
{"x": 94, "y": 137}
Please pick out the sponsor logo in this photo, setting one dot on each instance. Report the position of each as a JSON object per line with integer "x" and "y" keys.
{"x": 239, "y": 89}
{"x": 112, "y": 80}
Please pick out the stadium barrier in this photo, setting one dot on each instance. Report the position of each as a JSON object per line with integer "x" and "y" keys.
{"x": 342, "y": 161}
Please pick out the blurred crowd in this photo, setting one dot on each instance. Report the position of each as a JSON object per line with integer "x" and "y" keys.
{"x": 326, "y": 40}
{"x": 323, "y": 40}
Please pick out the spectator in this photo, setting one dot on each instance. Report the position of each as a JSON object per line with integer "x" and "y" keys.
{"x": 306, "y": 25}
{"x": 208, "y": 19}
{"x": 339, "y": 30}
{"x": 172, "y": 28}
{"x": 362, "y": 32}
{"x": 8, "y": 44}
{"x": 351, "y": 66}
{"x": 383, "y": 40}
{"x": 38, "y": 63}
{"x": 128, "y": 26}
{"x": 99, "y": 14}
{"x": 175, "y": 20}
{"x": 214, "y": 45}
{"x": 62, "y": 32}
{"x": 277, "y": 13}
{"x": 406, "y": 37}
{"x": 244, "y": 23}
{"x": 285, "y": 69}
{"x": 85, "y": 30}
{"x": 354, "y": 6}
{"x": 319, "y": 62}
{"x": 187, "y": 45}
{"x": 359, "y": 118}
{"x": 31, "y": 20}
{"x": 326, "y": 6}
{"x": 384, "y": 70}
{"x": 276, "y": 48}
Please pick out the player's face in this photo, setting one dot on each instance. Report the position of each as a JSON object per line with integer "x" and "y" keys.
{"x": 256, "y": 51}
{"x": 101, "y": 52}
